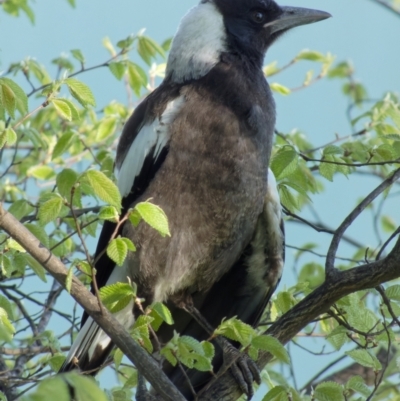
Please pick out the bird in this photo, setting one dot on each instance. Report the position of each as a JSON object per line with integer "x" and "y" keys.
{"x": 199, "y": 147}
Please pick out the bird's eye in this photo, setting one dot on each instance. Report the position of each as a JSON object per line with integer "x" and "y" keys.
{"x": 258, "y": 16}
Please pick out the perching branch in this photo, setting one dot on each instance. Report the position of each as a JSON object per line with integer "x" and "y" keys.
{"x": 88, "y": 301}
{"x": 318, "y": 302}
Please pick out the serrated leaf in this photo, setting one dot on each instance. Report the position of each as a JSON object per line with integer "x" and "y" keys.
{"x": 85, "y": 388}
{"x": 81, "y": 92}
{"x": 154, "y": 216}
{"x": 236, "y": 330}
{"x": 6, "y": 305}
{"x": 109, "y": 213}
{"x": 137, "y": 77}
{"x": 106, "y": 128}
{"x": 393, "y": 292}
{"x": 63, "y": 108}
{"x": 272, "y": 345}
{"x": 333, "y": 150}
{"x": 36, "y": 267}
{"x": 284, "y": 162}
{"x": 148, "y": 49}
{"x": 329, "y": 391}
{"x": 117, "y": 296}
{"x": 8, "y": 136}
{"x": 117, "y": 251}
{"x": 20, "y": 208}
{"x": 364, "y": 358}
{"x": 63, "y": 144}
{"x": 311, "y": 55}
{"x": 163, "y": 312}
{"x": 65, "y": 181}
{"x": 56, "y": 361}
{"x": 103, "y": 187}
{"x": 274, "y": 392}
{"x": 118, "y": 69}
{"x": 41, "y": 172}
{"x": 356, "y": 383}
{"x": 327, "y": 170}
{"x": 50, "y": 210}
{"x": 19, "y": 93}
{"x": 77, "y": 54}
{"x": 68, "y": 280}
{"x": 278, "y": 88}
{"x": 7, "y": 98}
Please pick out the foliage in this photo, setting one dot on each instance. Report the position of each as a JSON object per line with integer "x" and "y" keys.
{"x": 57, "y": 178}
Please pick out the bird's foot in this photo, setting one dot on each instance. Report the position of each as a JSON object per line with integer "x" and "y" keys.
{"x": 243, "y": 368}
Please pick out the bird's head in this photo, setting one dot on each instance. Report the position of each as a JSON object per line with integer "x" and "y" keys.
{"x": 243, "y": 27}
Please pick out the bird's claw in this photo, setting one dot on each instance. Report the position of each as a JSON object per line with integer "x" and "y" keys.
{"x": 243, "y": 368}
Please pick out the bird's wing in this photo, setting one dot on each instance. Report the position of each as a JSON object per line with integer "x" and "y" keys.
{"x": 243, "y": 292}
{"x": 141, "y": 152}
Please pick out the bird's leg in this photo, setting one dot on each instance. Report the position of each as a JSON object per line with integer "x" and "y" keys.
{"x": 243, "y": 368}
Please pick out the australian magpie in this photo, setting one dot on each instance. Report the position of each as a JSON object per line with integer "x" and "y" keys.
{"x": 199, "y": 147}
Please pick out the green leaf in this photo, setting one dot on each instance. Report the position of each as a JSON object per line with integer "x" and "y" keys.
{"x": 393, "y": 292}
{"x": 148, "y": 49}
{"x": 333, "y": 150}
{"x": 118, "y": 69}
{"x": 68, "y": 280}
{"x": 274, "y": 392}
{"x": 272, "y": 345}
{"x": 20, "y": 209}
{"x": 85, "y": 388}
{"x": 50, "y": 210}
{"x": 163, "y": 312}
{"x": 154, "y": 216}
{"x": 77, "y": 54}
{"x": 7, "y": 330}
{"x": 109, "y": 213}
{"x": 284, "y": 163}
{"x": 7, "y": 98}
{"x": 117, "y": 296}
{"x": 329, "y": 391}
{"x": 41, "y": 172}
{"x": 103, "y": 187}
{"x": 356, "y": 383}
{"x": 311, "y": 55}
{"x": 328, "y": 170}
{"x": 39, "y": 233}
{"x": 54, "y": 388}
{"x": 6, "y": 305}
{"x": 37, "y": 268}
{"x": 19, "y": 93}
{"x": 81, "y": 92}
{"x": 63, "y": 144}
{"x": 117, "y": 251}
{"x": 106, "y": 128}
{"x": 56, "y": 361}
{"x": 65, "y": 181}
{"x": 236, "y": 330}
{"x": 8, "y": 136}
{"x": 364, "y": 358}
{"x": 278, "y": 88}
{"x": 63, "y": 108}
{"x": 137, "y": 77}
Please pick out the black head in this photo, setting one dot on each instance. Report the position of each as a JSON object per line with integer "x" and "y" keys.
{"x": 253, "y": 25}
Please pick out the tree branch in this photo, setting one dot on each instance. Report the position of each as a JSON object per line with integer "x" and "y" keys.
{"x": 88, "y": 301}
{"x": 318, "y": 302}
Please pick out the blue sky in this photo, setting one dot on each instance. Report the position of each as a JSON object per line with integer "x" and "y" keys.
{"x": 360, "y": 31}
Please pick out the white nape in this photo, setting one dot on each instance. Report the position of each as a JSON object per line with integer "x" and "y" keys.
{"x": 197, "y": 45}
{"x": 155, "y": 134}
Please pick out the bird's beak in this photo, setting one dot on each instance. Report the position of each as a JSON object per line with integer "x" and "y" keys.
{"x": 295, "y": 16}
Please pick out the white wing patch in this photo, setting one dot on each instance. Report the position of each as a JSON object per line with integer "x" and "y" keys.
{"x": 198, "y": 44}
{"x": 155, "y": 134}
